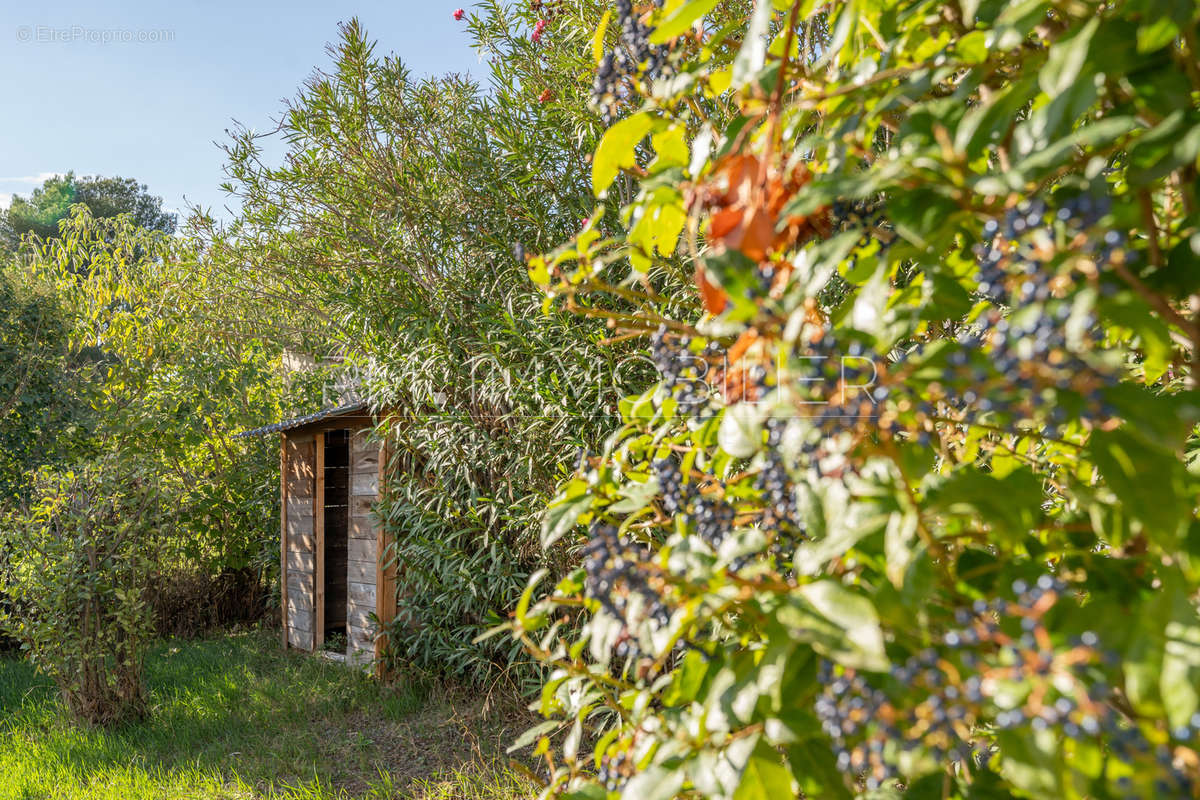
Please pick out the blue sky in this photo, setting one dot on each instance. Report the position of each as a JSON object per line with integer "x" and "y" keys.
{"x": 151, "y": 108}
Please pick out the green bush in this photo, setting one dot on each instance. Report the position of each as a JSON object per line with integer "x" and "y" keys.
{"x": 168, "y": 377}
{"x": 913, "y": 508}
{"x": 79, "y": 561}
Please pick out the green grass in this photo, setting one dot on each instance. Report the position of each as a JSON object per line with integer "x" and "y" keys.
{"x": 235, "y": 717}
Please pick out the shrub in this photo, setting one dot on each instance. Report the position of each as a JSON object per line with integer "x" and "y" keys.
{"x": 116, "y": 343}
{"x": 914, "y": 503}
{"x": 80, "y": 557}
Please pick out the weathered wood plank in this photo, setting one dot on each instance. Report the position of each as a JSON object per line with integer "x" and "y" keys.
{"x": 365, "y": 485}
{"x": 360, "y": 571}
{"x": 300, "y": 561}
{"x": 319, "y": 533}
{"x": 301, "y": 490}
{"x": 362, "y": 594}
{"x": 301, "y": 459}
{"x": 359, "y": 638}
{"x": 359, "y": 617}
{"x": 385, "y": 574}
{"x": 362, "y": 550}
{"x": 299, "y": 602}
{"x": 300, "y": 510}
{"x": 301, "y": 543}
{"x": 362, "y": 528}
{"x": 300, "y": 639}
{"x": 364, "y": 458}
{"x": 302, "y": 621}
{"x": 360, "y": 506}
{"x": 360, "y": 441}
{"x": 302, "y": 526}
{"x": 300, "y": 584}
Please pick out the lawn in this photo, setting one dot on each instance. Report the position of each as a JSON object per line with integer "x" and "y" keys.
{"x": 235, "y": 717}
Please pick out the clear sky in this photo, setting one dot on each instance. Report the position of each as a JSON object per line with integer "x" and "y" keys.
{"x": 150, "y": 102}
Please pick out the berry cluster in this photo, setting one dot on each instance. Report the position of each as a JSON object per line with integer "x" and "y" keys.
{"x": 683, "y": 371}
{"x": 676, "y": 493}
{"x": 713, "y": 518}
{"x": 1015, "y": 253}
{"x": 615, "y": 770}
{"x": 776, "y": 485}
{"x": 868, "y": 729}
{"x": 868, "y": 217}
{"x": 616, "y": 572}
{"x": 778, "y": 490}
{"x": 850, "y": 214}
{"x": 633, "y": 59}
{"x": 838, "y": 387}
{"x": 1017, "y": 359}
{"x": 1027, "y": 264}
{"x": 940, "y": 698}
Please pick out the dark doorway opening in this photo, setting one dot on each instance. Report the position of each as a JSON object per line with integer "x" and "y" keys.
{"x": 337, "y": 531}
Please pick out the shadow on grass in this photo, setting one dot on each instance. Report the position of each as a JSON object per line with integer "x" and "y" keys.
{"x": 237, "y": 708}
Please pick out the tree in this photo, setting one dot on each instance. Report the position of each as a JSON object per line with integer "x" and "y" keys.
{"x": 914, "y": 505}
{"x": 51, "y": 203}
{"x": 44, "y": 384}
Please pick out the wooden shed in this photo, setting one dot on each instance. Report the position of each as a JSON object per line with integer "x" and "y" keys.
{"x": 332, "y": 577}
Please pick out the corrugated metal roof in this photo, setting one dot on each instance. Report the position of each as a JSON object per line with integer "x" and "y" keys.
{"x": 300, "y": 422}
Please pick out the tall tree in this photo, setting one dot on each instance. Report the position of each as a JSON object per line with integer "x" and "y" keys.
{"x": 51, "y": 203}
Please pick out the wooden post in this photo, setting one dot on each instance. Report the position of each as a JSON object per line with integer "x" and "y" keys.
{"x": 283, "y": 536}
{"x": 319, "y": 545}
{"x": 385, "y": 576}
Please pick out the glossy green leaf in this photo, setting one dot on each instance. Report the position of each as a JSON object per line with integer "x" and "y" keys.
{"x": 617, "y": 149}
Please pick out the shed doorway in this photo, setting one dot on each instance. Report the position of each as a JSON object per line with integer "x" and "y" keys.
{"x": 337, "y": 531}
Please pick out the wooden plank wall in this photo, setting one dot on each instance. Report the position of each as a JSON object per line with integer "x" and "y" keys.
{"x": 299, "y": 560}
{"x": 362, "y": 551}
{"x": 385, "y": 574}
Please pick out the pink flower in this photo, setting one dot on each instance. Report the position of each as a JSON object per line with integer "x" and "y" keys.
{"x": 537, "y": 30}
{"x": 458, "y": 14}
